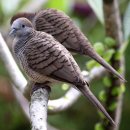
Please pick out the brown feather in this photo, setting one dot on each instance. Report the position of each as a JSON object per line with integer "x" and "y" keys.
{"x": 59, "y": 25}
{"x": 44, "y": 60}
{"x": 63, "y": 29}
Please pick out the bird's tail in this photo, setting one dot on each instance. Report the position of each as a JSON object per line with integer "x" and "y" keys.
{"x": 87, "y": 93}
{"x": 91, "y": 53}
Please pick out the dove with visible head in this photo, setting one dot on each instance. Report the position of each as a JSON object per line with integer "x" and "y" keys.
{"x": 62, "y": 28}
{"x": 45, "y": 60}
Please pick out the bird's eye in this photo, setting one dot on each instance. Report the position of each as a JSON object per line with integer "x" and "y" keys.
{"x": 23, "y": 26}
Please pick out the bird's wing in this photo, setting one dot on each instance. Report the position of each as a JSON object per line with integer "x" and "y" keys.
{"x": 48, "y": 57}
{"x": 58, "y": 24}
{"x": 68, "y": 34}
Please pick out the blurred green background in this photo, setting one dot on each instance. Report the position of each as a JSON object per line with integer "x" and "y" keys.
{"x": 82, "y": 115}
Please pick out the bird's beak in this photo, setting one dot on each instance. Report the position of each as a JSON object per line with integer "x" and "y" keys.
{"x": 12, "y": 32}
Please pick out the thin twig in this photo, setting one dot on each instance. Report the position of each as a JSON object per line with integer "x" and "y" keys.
{"x": 11, "y": 66}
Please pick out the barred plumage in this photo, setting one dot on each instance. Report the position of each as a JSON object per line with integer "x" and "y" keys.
{"x": 60, "y": 26}
{"x": 45, "y": 60}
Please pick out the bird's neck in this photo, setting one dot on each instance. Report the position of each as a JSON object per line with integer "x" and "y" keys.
{"x": 20, "y": 42}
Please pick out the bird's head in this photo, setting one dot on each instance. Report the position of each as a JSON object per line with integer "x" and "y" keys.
{"x": 20, "y": 27}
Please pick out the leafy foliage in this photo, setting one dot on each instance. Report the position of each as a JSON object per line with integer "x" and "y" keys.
{"x": 102, "y": 96}
{"x": 109, "y": 42}
{"x": 99, "y": 47}
{"x": 99, "y": 126}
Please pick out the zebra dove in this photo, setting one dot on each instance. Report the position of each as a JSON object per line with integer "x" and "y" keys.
{"x": 63, "y": 29}
{"x": 45, "y": 60}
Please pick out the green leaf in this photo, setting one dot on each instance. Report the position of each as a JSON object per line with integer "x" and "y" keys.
{"x": 120, "y": 70}
{"x": 99, "y": 126}
{"x": 123, "y": 88}
{"x": 126, "y": 23}
{"x": 117, "y": 55}
{"x": 110, "y": 42}
{"x": 108, "y": 55}
{"x": 107, "y": 81}
{"x": 63, "y": 5}
{"x": 121, "y": 51}
{"x": 97, "y": 6}
{"x": 112, "y": 106}
{"x": 116, "y": 91}
{"x": 65, "y": 86}
{"x": 90, "y": 64}
{"x": 124, "y": 47}
{"x": 99, "y": 47}
{"x": 102, "y": 116}
{"x": 103, "y": 96}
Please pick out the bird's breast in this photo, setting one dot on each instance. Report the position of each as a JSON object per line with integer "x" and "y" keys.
{"x": 31, "y": 74}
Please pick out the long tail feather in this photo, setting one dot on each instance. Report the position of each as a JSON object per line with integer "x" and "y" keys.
{"x": 87, "y": 93}
{"x": 91, "y": 53}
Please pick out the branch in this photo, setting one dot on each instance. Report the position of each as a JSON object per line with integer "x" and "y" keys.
{"x": 25, "y": 105}
{"x": 38, "y": 106}
{"x": 11, "y": 66}
{"x": 114, "y": 30}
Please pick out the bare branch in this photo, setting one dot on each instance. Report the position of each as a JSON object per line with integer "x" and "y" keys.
{"x": 15, "y": 74}
{"x": 38, "y": 107}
